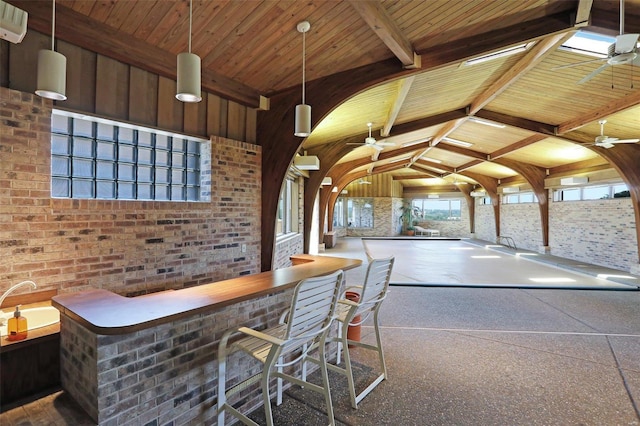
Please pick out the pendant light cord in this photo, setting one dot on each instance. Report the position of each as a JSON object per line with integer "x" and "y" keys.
{"x": 304, "y": 55}
{"x": 53, "y": 26}
{"x": 190, "y": 10}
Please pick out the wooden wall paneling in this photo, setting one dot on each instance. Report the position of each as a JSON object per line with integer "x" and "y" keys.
{"x": 4, "y": 63}
{"x": 143, "y": 97}
{"x": 81, "y": 77}
{"x": 195, "y": 117}
{"x": 236, "y": 121}
{"x": 251, "y": 123}
{"x": 170, "y": 110}
{"x": 213, "y": 115}
{"x": 23, "y": 61}
{"x": 112, "y": 88}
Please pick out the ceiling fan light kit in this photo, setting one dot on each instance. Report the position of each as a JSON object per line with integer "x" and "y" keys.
{"x": 188, "y": 87}
{"x": 52, "y": 69}
{"x": 303, "y": 111}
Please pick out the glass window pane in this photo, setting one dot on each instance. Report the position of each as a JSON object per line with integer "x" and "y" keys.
{"x": 83, "y": 147}
{"x": 162, "y": 141}
{"x": 105, "y": 170}
{"x": 177, "y": 193}
{"x": 192, "y": 178}
{"x": 144, "y": 156}
{"x": 162, "y": 158}
{"x": 106, "y": 189}
{"x": 144, "y": 138}
{"x": 595, "y": 192}
{"x": 60, "y": 187}
{"x": 59, "y": 124}
{"x": 60, "y": 145}
{"x": 82, "y": 188}
{"x": 177, "y": 177}
{"x": 126, "y": 190}
{"x": 177, "y": 159}
{"x": 192, "y": 193}
{"x": 145, "y": 174}
{"x": 126, "y": 172}
{"x": 162, "y": 175}
{"x": 106, "y": 150}
{"x": 193, "y": 147}
{"x": 82, "y": 127}
{"x": 60, "y": 166}
{"x": 192, "y": 162}
{"x": 125, "y": 135}
{"x": 571, "y": 194}
{"x": 105, "y": 132}
{"x": 162, "y": 192}
{"x": 125, "y": 153}
{"x": 526, "y": 197}
{"x": 178, "y": 144}
{"x": 82, "y": 168}
{"x": 145, "y": 191}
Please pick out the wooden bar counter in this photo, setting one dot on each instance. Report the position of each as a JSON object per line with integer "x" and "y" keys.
{"x": 153, "y": 359}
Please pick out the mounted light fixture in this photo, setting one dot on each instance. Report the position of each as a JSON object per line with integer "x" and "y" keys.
{"x": 306, "y": 162}
{"x": 457, "y": 142}
{"x": 188, "y": 87}
{"x": 303, "y": 111}
{"x": 52, "y": 69}
{"x": 574, "y": 180}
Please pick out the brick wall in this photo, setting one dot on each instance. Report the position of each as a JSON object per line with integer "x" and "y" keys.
{"x": 485, "y": 222}
{"x": 128, "y": 247}
{"x": 600, "y": 232}
{"x": 165, "y": 374}
{"x": 522, "y": 223}
{"x": 383, "y": 215}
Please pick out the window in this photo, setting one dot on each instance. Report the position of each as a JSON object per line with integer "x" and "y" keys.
{"x": 287, "y": 221}
{"x": 360, "y": 212}
{"x": 338, "y": 213}
{"x": 519, "y": 198}
{"x": 95, "y": 158}
{"x": 589, "y": 43}
{"x": 430, "y": 209}
{"x": 592, "y": 192}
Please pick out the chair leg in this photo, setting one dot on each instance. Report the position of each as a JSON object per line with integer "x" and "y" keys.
{"x": 325, "y": 383}
{"x": 279, "y": 382}
{"x": 222, "y": 377}
{"x": 338, "y": 358}
{"x": 347, "y": 364}
{"x": 383, "y": 365}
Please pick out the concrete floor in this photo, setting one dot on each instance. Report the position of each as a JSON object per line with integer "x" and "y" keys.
{"x": 510, "y": 354}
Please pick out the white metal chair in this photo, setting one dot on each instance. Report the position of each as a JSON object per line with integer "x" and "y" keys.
{"x": 372, "y": 294}
{"x": 307, "y": 324}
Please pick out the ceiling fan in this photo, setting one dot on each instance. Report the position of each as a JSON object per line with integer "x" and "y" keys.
{"x": 361, "y": 181}
{"x": 608, "y": 142}
{"x": 623, "y": 51}
{"x": 370, "y": 141}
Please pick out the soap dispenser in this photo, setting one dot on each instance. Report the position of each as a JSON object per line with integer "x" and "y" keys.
{"x": 17, "y": 326}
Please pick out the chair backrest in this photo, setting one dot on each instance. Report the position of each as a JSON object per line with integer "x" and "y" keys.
{"x": 376, "y": 283}
{"x": 313, "y": 306}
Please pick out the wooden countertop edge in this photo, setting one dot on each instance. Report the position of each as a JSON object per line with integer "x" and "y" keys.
{"x": 107, "y": 313}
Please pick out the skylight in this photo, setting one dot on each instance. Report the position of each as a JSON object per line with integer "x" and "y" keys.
{"x": 588, "y": 43}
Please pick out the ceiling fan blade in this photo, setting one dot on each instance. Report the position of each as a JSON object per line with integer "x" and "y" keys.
{"x": 626, "y": 43}
{"x": 376, "y": 146}
{"x": 356, "y": 143}
{"x": 386, "y": 144}
{"x": 575, "y": 64}
{"x": 625, "y": 141}
{"x": 594, "y": 73}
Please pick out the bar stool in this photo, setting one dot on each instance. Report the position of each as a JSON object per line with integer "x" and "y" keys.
{"x": 306, "y": 326}
{"x": 351, "y": 313}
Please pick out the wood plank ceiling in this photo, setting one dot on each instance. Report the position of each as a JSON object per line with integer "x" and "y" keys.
{"x": 251, "y": 49}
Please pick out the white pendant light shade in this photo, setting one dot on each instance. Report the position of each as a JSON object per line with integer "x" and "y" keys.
{"x": 303, "y": 111}
{"x": 303, "y": 120}
{"x": 52, "y": 75}
{"x": 188, "y": 89}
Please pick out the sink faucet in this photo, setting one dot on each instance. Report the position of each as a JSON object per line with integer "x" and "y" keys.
{"x": 11, "y": 290}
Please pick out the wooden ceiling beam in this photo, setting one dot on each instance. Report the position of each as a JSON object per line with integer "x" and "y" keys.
{"x": 516, "y": 146}
{"x": 462, "y": 151}
{"x": 375, "y": 15}
{"x": 396, "y": 104}
{"x": 413, "y": 177}
{"x": 519, "y": 122}
{"x": 618, "y": 105}
{"x": 583, "y": 13}
{"x": 82, "y": 31}
{"x": 532, "y": 58}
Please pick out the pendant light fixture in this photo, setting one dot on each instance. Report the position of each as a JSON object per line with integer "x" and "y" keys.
{"x": 303, "y": 111}
{"x": 52, "y": 69}
{"x": 188, "y": 88}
